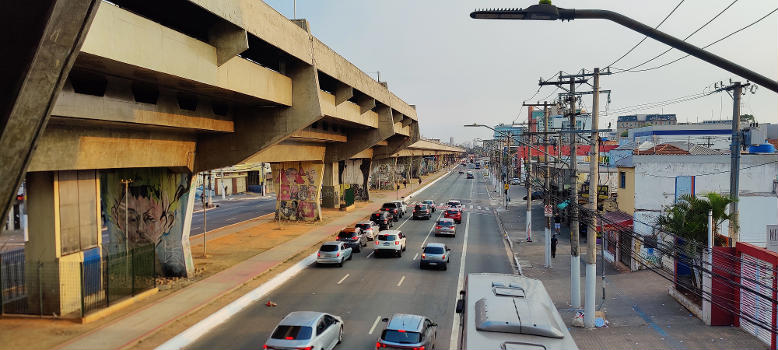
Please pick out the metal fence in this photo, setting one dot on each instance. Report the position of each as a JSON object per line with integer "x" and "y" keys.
{"x": 73, "y": 289}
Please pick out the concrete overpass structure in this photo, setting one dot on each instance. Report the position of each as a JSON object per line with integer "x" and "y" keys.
{"x": 160, "y": 91}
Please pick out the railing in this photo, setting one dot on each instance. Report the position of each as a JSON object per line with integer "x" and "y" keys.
{"x": 72, "y": 289}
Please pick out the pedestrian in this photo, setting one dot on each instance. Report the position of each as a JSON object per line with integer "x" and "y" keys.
{"x": 419, "y": 180}
{"x": 554, "y": 242}
{"x": 405, "y": 183}
{"x": 557, "y": 223}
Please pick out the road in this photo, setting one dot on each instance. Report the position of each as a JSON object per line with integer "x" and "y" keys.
{"x": 231, "y": 211}
{"x": 368, "y": 288}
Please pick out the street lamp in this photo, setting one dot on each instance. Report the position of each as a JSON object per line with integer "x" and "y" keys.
{"x": 550, "y": 12}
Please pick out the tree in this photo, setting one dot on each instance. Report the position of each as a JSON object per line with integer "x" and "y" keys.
{"x": 687, "y": 221}
{"x": 747, "y": 118}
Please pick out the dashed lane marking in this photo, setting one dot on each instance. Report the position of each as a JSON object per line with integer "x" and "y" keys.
{"x": 401, "y": 281}
{"x": 343, "y": 279}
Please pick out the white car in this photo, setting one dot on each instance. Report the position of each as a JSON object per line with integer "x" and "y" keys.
{"x": 306, "y": 330}
{"x": 403, "y": 207}
{"x": 454, "y": 203}
{"x": 390, "y": 241}
{"x": 369, "y": 228}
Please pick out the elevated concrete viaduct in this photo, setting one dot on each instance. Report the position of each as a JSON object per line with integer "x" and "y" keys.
{"x": 159, "y": 91}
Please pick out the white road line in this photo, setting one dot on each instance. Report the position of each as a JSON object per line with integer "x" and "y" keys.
{"x": 406, "y": 220}
{"x": 230, "y": 219}
{"x": 195, "y": 228}
{"x": 343, "y": 279}
{"x": 415, "y": 256}
{"x": 431, "y": 228}
{"x": 374, "y": 324}
{"x": 453, "y": 343}
{"x": 401, "y": 281}
{"x": 368, "y": 256}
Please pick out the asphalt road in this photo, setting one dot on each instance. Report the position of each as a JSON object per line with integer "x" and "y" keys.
{"x": 368, "y": 288}
{"x": 229, "y": 212}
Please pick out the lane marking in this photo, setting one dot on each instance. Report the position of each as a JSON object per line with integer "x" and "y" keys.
{"x": 195, "y": 228}
{"x": 406, "y": 220}
{"x": 344, "y": 278}
{"x": 368, "y": 256}
{"x": 431, "y": 228}
{"x": 454, "y": 341}
{"x": 232, "y": 218}
{"x": 374, "y": 324}
{"x": 401, "y": 281}
{"x": 415, "y": 256}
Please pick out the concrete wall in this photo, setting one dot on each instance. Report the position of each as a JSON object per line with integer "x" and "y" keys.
{"x": 625, "y": 197}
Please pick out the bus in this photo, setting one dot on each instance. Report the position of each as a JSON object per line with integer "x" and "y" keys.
{"x": 509, "y": 312}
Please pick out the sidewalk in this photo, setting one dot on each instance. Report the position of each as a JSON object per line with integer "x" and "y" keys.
{"x": 134, "y": 327}
{"x": 641, "y": 313}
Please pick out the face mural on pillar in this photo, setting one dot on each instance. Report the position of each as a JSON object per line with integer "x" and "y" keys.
{"x": 155, "y": 207}
{"x": 353, "y": 175}
{"x": 298, "y": 195}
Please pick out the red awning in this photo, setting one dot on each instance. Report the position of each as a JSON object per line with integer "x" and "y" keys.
{"x": 615, "y": 220}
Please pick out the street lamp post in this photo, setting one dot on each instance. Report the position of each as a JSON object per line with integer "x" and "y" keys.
{"x": 550, "y": 12}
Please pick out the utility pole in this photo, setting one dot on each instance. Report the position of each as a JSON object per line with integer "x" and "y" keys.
{"x": 594, "y": 181}
{"x": 205, "y": 216}
{"x": 547, "y": 180}
{"x": 529, "y": 188}
{"x": 734, "y": 174}
{"x": 575, "y": 258}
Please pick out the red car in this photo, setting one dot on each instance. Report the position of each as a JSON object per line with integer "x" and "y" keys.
{"x": 453, "y": 213}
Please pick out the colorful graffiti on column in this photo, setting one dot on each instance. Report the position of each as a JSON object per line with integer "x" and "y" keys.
{"x": 155, "y": 205}
{"x": 298, "y": 190}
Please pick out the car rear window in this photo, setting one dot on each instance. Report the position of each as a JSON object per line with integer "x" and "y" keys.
{"x": 344, "y": 234}
{"x": 389, "y": 205}
{"x": 445, "y": 223}
{"x": 452, "y": 211}
{"x": 292, "y": 332}
{"x": 453, "y": 203}
{"x": 363, "y": 226}
{"x": 376, "y": 217}
{"x": 328, "y": 248}
{"x": 403, "y": 337}
{"x": 433, "y": 250}
{"x": 387, "y": 237}
{"x": 427, "y": 202}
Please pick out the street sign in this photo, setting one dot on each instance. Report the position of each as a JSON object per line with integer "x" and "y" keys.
{"x": 547, "y": 210}
{"x": 507, "y": 187}
{"x": 772, "y": 238}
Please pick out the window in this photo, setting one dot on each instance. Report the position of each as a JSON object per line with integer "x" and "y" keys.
{"x": 292, "y": 333}
{"x": 329, "y": 248}
{"x": 434, "y": 250}
{"x": 622, "y": 179}
{"x": 401, "y": 336}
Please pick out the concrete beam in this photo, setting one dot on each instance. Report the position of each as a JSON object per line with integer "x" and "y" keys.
{"x": 366, "y": 103}
{"x": 397, "y": 116}
{"x": 229, "y": 40}
{"x": 42, "y": 40}
{"x": 360, "y": 140}
{"x": 257, "y": 129}
{"x": 342, "y": 93}
{"x": 398, "y": 142}
{"x": 407, "y": 121}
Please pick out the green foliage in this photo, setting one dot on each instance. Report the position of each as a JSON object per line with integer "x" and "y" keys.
{"x": 747, "y": 118}
{"x": 688, "y": 218}
{"x": 544, "y": 2}
{"x": 624, "y": 133}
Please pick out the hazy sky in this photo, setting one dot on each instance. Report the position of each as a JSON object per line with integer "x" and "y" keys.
{"x": 458, "y": 70}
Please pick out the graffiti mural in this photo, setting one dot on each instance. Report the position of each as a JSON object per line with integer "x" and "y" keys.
{"x": 155, "y": 206}
{"x": 356, "y": 175}
{"x": 298, "y": 190}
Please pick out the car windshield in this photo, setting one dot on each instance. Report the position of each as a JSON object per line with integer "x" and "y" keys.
{"x": 328, "y": 248}
{"x": 344, "y": 234}
{"x": 292, "y": 332}
{"x": 403, "y": 337}
{"x": 445, "y": 223}
{"x": 387, "y": 237}
{"x": 364, "y": 226}
{"x": 434, "y": 250}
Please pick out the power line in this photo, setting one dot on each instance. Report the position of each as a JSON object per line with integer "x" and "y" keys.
{"x": 687, "y": 37}
{"x": 646, "y": 37}
{"x": 704, "y": 47}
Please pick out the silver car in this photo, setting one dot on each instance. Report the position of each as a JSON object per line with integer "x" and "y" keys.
{"x": 404, "y": 331}
{"x": 445, "y": 226}
{"x": 306, "y": 330}
{"x": 369, "y": 228}
{"x": 333, "y": 253}
{"x": 435, "y": 254}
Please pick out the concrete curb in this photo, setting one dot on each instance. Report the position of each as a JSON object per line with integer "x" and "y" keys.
{"x": 191, "y": 334}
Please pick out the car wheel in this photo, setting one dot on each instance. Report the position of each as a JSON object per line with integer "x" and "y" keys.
{"x": 399, "y": 253}
{"x": 340, "y": 264}
{"x": 445, "y": 267}
{"x": 340, "y": 335}
{"x": 421, "y": 266}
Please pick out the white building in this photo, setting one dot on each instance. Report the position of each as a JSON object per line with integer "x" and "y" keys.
{"x": 660, "y": 179}
{"x": 712, "y": 135}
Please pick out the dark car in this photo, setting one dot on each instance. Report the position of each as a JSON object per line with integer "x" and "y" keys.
{"x": 453, "y": 213}
{"x": 383, "y": 219}
{"x": 422, "y": 211}
{"x": 535, "y": 195}
{"x": 353, "y": 237}
{"x": 394, "y": 209}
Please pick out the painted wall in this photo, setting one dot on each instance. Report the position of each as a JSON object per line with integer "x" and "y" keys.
{"x": 382, "y": 175}
{"x": 655, "y": 188}
{"x": 355, "y": 174}
{"x": 299, "y": 190}
{"x": 157, "y": 208}
{"x": 626, "y": 196}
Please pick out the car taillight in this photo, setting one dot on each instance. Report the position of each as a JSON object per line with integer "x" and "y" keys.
{"x": 289, "y": 338}
{"x": 376, "y": 242}
{"x": 419, "y": 348}
{"x": 318, "y": 254}
{"x": 396, "y": 242}
{"x": 443, "y": 257}
{"x": 338, "y": 254}
{"x": 379, "y": 345}
{"x": 264, "y": 346}
{"x": 438, "y": 227}
{"x": 310, "y": 347}
{"x": 423, "y": 256}
{"x": 355, "y": 238}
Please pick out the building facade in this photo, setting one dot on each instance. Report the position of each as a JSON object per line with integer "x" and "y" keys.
{"x": 626, "y": 122}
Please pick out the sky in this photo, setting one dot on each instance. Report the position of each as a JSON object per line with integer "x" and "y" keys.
{"x": 458, "y": 70}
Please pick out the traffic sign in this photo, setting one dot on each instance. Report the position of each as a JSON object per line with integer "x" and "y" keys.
{"x": 547, "y": 210}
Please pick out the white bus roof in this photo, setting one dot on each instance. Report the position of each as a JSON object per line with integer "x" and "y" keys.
{"x": 511, "y": 312}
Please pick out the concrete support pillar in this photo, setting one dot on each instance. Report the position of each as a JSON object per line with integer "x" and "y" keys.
{"x": 330, "y": 186}
{"x": 299, "y": 190}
